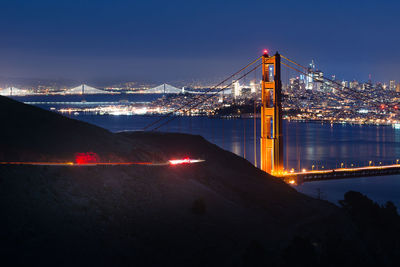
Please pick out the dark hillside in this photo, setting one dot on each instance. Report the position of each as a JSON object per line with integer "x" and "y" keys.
{"x": 29, "y": 133}
{"x": 222, "y": 212}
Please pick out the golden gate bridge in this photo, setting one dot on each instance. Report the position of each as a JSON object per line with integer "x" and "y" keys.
{"x": 271, "y": 140}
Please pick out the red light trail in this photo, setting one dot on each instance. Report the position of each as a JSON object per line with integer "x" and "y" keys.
{"x": 81, "y": 162}
{"x": 184, "y": 161}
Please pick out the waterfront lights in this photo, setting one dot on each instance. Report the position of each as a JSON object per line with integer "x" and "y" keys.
{"x": 303, "y": 170}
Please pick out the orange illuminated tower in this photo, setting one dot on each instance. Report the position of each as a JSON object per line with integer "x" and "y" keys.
{"x": 271, "y": 115}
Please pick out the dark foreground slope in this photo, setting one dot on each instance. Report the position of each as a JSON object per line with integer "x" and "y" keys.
{"x": 29, "y": 133}
{"x": 222, "y": 212}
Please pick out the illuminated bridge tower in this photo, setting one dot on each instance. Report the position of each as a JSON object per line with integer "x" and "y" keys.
{"x": 271, "y": 115}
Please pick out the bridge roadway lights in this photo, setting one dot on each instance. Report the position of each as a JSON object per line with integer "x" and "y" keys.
{"x": 300, "y": 178}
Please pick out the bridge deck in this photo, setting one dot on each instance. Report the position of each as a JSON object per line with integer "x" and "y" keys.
{"x": 340, "y": 173}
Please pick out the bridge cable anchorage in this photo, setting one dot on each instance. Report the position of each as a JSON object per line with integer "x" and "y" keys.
{"x": 207, "y": 91}
{"x": 207, "y": 98}
{"x": 358, "y": 95}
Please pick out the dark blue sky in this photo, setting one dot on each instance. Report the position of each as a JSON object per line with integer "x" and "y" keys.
{"x": 170, "y": 40}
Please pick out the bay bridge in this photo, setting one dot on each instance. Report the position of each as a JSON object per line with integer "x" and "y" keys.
{"x": 85, "y": 89}
{"x": 271, "y": 140}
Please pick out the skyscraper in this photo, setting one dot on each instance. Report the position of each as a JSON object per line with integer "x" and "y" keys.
{"x": 236, "y": 89}
{"x": 392, "y": 85}
{"x": 310, "y": 77}
{"x": 253, "y": 87}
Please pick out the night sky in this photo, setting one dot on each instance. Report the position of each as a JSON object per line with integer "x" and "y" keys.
{"x": 200, "y": 40}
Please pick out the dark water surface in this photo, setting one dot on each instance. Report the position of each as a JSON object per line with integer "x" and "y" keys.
{"x": 307, "y": 145}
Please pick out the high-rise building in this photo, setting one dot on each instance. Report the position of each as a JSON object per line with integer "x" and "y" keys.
{"x": 318, "y": 81}
{"x": 353, "y": 84}
{"x": 392, "y": 85}
{"x": 398, "y": 88}
{"x": 310, "y": 76}
{"x": 253, "y": 87}
{"x": 236, "y": 89}
{"x": 294, "y": 83}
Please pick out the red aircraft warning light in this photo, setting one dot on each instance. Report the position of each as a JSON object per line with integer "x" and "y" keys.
{"x": 87, "y": 158}
{"x": 265, "y": 51}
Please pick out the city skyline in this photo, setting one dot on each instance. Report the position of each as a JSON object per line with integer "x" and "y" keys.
{"x": 314, "y": 80}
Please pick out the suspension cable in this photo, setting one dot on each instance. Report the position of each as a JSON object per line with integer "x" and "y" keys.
{"x": 332, "y": 81}
{"x": 359, "y": 97}
{"x": 207, "y": 91}
{"x": 340, "y": 97}
{"x": 353, "y": 92}
{"x": 202, "y": 101}
{"x": 294, "y": 62}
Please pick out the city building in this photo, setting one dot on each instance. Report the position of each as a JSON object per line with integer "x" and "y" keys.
{"x": 392, "y": 85}
{"x": 253, "y": 87}
{"x": 310, "y": 76}
{"x": 354, "y": 84}
{"x": 236, "y": 89}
